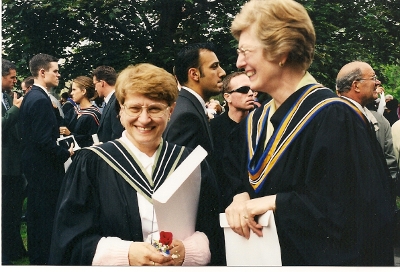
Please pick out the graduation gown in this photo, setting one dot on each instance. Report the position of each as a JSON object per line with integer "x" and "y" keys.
{"x": 96, "y": 201}
{"x": 333, "y": 199}
{"x": 83, "y": 124}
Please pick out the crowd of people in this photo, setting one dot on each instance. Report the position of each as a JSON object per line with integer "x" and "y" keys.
{"x": 326, "y": 162}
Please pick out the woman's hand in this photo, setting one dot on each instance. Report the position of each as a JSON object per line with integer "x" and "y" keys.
{"x": 65, "y": 131}
{"x": 236, "y": 214}
{"x": 141, "y": 253}
{"x": 177, "y": 251}
{"x": 258, "y": 206}
{"x": 243, "y": 210}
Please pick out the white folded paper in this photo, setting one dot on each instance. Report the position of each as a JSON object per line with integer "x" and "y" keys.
{"x": 66, "y": 141}
{"x": 257, "y": 251}
{"x": 176, "y": 201}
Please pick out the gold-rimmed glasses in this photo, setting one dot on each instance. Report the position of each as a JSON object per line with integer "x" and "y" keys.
{"x": 374, "y": 78}
{"x": 242, "y": 51}
{"x": 154, "y": 110}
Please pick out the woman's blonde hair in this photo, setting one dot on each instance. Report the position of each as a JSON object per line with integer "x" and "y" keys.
{"x": 151, "y": 81}
{"x": 283, "y": 26}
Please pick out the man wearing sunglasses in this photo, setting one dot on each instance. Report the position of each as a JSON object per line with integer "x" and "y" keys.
{"x": 240, "y": 100}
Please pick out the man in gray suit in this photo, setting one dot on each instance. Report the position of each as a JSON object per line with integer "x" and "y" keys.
{"x": 110, "y": 128}
{"x": 198, "y": 71}
{"x": 12, "y": 180}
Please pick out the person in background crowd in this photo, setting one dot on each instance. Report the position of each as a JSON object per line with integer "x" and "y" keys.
{"x": 361, "y": 93}
{"x": 396, "y": 148}
{"x": 63, "y": 98}
{"x": 306, "y": 155}
{"x": 240, "y": 100}
{"x": 42, "y": 159}
{"x": 12, "y": 180}
{"x": 105, "y": 211}
{"x": 85, "y": 121}
{"x": 391, "y": 110}
{"x": 198, "y": 70}
{"x": 396, "y": 140}
{"x": 214, "y": 108}
{"x": 110, "y": 127}
{"x": 27, "y": 84}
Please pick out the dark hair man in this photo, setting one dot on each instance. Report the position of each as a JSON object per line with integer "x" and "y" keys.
{"x": 12, "y": 181}
{"x": 42, "y": 159}
{"x": 199, "y": 73}
{"x": 110, "y": 128}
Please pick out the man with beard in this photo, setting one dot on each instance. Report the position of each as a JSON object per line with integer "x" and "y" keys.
{"x": 198, "y": 70}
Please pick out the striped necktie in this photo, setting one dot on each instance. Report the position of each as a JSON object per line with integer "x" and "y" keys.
{"x": 5, "y": 101}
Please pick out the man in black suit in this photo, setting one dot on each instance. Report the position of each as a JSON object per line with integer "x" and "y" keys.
{"x": 42, "y": 159}
{"x": 110, "y": 128}
{"x": 240, "y": 100}
{"x": 12, "y": 180}
{"x": 198, "y": 70}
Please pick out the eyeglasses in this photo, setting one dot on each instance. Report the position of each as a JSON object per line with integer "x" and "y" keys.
{"x": 242, "y": 51}
{"x": 154, "y": 110}
{"x": 242, "y": 90}
{"x": 94, "y": 83}
{"x": 374, "y": 78}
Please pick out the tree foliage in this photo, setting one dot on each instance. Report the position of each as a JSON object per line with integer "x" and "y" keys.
{"x": 118, "y": 33}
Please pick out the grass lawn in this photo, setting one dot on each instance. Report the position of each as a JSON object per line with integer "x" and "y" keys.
{"x": 25, "y": 260}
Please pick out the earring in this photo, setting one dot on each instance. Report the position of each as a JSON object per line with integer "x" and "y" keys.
{"x": 281, "y": 64}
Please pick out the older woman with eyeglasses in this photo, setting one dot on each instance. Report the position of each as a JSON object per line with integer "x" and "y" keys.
{"x": 105, "y": 211}
{"x": 306, "y": 155}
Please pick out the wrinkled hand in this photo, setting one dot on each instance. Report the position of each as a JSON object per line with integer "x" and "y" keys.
{"x": 258, "y": 206}
{"x": 177, "y": 251}
{"x": 17, "y": 101}
{"x": 236, "y": 213}
{"x": 141, "y": 253}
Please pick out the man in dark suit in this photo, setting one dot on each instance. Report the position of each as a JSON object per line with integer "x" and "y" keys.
{"x": 198, "y": 70}
{"x": 11, "y": 173}
{"x": 110, "y": 128}
{"x": 42, "y": 159}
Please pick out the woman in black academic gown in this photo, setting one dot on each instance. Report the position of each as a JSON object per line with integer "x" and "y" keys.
{"x": 105, "y": 212}
{"x": 85, "y": 119}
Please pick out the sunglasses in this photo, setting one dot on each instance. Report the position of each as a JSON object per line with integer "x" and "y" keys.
{"x": 243, "y": 90}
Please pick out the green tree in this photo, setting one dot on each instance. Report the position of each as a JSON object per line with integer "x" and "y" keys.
{"x": 391, "y": 79}
{"x": 118, "y": 33}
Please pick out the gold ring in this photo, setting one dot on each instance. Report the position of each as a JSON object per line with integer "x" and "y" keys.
{"x": 245, "y": 217}
{"x": 154, "y": 263}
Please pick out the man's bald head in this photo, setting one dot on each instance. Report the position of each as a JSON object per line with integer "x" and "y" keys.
{"x": 357, "y": 80}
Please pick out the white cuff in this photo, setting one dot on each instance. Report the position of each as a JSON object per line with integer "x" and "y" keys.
{"x": 197, "y": 249}
{"x": 112, "y": 251}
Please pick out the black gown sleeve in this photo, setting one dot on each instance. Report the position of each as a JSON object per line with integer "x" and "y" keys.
{"x": 85, "y": 127}
{"x": 208, "y": 215}
{"x": 76, "y": 229}
{"x": 335, "y": 208}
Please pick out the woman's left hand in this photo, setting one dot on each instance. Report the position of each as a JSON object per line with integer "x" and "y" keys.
{"x": 258, "y": 206}
{"x": 177, "y": 251}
